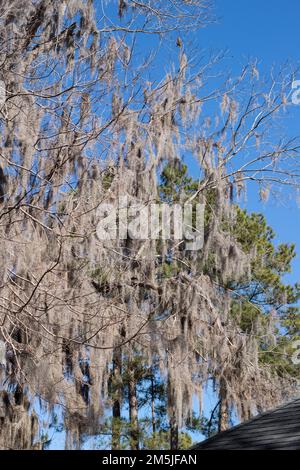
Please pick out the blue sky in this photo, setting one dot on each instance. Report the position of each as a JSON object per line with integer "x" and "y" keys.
{"x": 266, "y": 30}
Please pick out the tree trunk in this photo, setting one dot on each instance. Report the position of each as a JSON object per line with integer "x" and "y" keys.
{"x": 117, "y": 399}
{"x": 246, "y": 414}
{"x": 133, "y": 411}
{"x": 223, "y": 411}
{"x": 174, "y": 439}
{"x": 153, "y": 406}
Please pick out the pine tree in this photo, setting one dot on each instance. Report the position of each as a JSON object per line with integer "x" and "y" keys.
{"x": 262, "y": 303}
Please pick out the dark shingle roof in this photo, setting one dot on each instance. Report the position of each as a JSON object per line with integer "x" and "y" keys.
{"x": 276, "y": 429}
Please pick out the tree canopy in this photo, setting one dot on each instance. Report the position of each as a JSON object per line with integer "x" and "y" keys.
{"x": 95, "y": 332}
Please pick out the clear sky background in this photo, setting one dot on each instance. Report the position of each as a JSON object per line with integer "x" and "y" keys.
{"x": 269, "y": 31}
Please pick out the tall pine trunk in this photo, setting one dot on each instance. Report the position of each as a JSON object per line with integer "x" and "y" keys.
{"x": 223, "y": 410}
{"x": 153, "y": 406}
{"x": 117, "y": 399}
{"x": 133, "y": 410}
{"x": 174, "y": 437}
